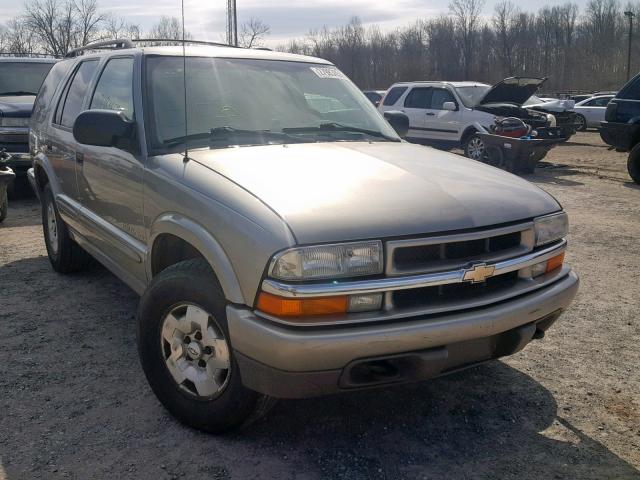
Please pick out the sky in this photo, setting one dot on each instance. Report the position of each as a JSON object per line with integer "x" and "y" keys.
{"x": 287, "y": 19}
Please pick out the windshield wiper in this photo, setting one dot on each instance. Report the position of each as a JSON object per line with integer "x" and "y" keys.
{"x": 225, "y": 134}
{"x": 17, "y": 93}
{"x": 331, "y": 127}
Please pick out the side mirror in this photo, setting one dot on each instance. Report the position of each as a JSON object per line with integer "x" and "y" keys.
{"x": 399, "y": 121}
{"x": 104, "y": 128}
{"x": 451, "y": 106}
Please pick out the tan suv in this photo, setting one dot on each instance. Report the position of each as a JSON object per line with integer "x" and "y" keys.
{"x": 284, "y": 239}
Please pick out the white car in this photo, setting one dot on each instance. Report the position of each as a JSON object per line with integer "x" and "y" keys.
{"x": 590, "y": 112}
{"x": 450, "y": 113}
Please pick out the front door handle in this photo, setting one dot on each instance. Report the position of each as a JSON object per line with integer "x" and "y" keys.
{"x": 79, "y": 158}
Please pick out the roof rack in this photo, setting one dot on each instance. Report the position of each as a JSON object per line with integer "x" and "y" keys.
{"x": 26, "y": 55}
{"x": 180, "y": 42}
{"x": 102, "y": 45}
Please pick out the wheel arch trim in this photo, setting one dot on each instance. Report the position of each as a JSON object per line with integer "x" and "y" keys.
{"x": 195, "y": 234}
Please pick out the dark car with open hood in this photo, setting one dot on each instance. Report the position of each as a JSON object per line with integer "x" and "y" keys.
{"x": 20, "y": 81}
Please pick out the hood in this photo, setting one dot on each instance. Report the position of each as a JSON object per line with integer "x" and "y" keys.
{"x": 329, "y": 192}
{"x": 555, "y": 106}
{"x": 515, "y": 90}
{"x": 16, "y": 106}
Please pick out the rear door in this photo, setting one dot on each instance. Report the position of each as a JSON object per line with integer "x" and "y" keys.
{"x": 61, "y": 147}
{"x": 416, "y": 104}
{"x": 442, "y": 124}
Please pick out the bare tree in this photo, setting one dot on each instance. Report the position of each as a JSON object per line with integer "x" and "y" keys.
{"x": 168, "y": 28}
{"x": 505, "y": 22}
{"x": 467, "y": 18}
{"x": 117, "y": 27}
{"x": 253, "y": 32}
{"x": 87, "y": 21}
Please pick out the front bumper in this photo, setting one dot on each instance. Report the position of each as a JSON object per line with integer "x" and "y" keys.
{"x": 622, "y": 136}
{"x": 19, "y": 162}
{"x": 297, "y": 362}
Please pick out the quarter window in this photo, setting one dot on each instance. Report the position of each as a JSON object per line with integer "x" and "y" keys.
{"x": 394, "y": 94}
{"x": 76, "y": 93}
{"x": 418, "y": 98}
{"x": 115, "y": 87}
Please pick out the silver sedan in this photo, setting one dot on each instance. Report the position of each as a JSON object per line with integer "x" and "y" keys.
{"x": 590, "y": 112}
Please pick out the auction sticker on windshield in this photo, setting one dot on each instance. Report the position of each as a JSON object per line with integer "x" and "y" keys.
{"x": 328, "y": 72}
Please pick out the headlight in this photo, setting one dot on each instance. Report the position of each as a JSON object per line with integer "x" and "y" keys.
{"x": 14, "y": 122}
{"x": 328, "y": 261}
{"x": 551, "y": 228}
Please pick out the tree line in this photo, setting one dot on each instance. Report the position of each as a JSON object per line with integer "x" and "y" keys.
{"x": 54, "y": 27}
{"x": 578, "y": 50}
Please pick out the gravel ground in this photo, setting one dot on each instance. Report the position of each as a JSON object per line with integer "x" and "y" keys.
{"x": 74, "y": 402}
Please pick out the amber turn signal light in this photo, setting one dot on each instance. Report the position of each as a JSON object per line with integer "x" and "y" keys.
{"x": 554, "y": 262}
{"x": 301, "y": 307}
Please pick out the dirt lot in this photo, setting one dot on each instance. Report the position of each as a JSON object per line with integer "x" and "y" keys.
{"x": 74, "y": 402}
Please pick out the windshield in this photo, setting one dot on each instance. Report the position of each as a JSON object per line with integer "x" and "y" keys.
{"x": 22, "y": 78}
{"x": 277, "y": 101}
{"x": 471, "y": 95}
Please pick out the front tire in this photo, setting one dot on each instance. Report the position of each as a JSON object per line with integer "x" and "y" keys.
{"x": 474, "y": 148}
{"x": 65, "y": 255}
{"x": 186, "y": 354}
{"x": 633, "y": 164}
{"x": 581, "y": 123}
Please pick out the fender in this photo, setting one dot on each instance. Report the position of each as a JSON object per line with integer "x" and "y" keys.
{"x": 40, "y": 160}
{"x": 194, "y": 233}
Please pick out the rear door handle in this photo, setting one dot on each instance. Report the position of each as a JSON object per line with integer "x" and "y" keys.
{"x": 79, "y": 158}
{"x": 429, "y": 114}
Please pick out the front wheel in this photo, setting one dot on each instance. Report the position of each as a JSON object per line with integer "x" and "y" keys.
{"x": 186, "y": 354}
{"x": 474, "y": 148}
{"x": 581, "y": 123}
{"x": 633, "y": 164}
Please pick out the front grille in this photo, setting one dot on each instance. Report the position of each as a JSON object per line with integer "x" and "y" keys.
{"x": 457, "y": 251}
{"x": 454, "y": 292}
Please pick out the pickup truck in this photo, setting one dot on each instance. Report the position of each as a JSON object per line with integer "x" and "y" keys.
{"x": 285, "y": 241}
{"x": 20, "y": 80}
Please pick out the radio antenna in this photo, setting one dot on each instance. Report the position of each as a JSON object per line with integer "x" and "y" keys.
{"x": 184, "y": 79}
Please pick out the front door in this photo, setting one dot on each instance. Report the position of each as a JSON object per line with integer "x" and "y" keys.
{"x": 442, "y": 124}
{"x": 109, "y": 178}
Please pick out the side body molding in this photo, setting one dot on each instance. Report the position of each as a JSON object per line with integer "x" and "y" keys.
{"x": 207, "y": 245}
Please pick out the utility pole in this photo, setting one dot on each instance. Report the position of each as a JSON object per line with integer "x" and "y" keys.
{"x": 232, "y": 23}
{"x": 629, "y": 14}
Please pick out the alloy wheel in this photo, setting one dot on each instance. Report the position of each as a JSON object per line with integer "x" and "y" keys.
{"x": 195, "y": 351}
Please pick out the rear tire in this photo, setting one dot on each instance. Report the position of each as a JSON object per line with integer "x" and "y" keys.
{"x": 4, "y": 206}
{"x": 186, "y": 353}
{"x": 65, "y": 255}
{"x": 581, "y": 123}
{"x": 633, "y": 164}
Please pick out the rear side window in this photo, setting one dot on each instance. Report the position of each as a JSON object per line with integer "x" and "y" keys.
{"x": 76, "y": 93}
{"x": 48, "y": 88}
{"x": 394, "y": 94}
{"x": 439, "y": 97}
{"x": 418, "y": 98}
{"x": 115, "y": 87}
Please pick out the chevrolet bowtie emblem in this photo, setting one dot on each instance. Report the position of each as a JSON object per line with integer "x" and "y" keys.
{"x": 478, "y": 273}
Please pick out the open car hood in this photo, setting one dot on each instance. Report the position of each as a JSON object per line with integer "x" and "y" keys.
{"x": 514, "y": 90}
